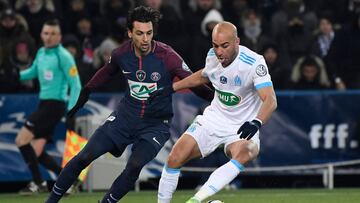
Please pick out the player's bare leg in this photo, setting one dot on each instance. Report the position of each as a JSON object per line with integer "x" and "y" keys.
{"x": 185, "y": 149}
{"x": 240, "y": 152}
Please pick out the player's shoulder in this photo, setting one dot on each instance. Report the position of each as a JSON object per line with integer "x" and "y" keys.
{"x": 165, "y": 51}
{"x": 161, "y": 47}
{"x": 40, "y": 50}
{"x": 248, "y": 56}
{"x": 211, "y": 53}
{"x": 124, "y": 48}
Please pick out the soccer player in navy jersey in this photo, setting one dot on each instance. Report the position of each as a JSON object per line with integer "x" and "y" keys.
{"x": 147, "y": 65}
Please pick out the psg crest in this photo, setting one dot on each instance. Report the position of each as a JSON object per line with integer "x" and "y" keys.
{"x": 140, "y": 75}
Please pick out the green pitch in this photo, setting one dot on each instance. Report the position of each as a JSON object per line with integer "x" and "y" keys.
{"x": 239, "y": 196}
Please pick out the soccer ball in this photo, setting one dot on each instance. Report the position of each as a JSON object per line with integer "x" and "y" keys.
{"x": 215, "y": 201}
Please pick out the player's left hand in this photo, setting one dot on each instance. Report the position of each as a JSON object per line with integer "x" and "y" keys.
{"x": 162, "y": 91}
{"x": 248, "y": 129}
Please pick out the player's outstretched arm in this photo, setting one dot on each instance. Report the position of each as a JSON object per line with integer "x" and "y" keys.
{"x": 193, "y": 80}
{"x": 83, "y": 98}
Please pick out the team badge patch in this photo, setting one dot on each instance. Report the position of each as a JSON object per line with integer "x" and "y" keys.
{"x": 155, "y": 76}
{"x": 223, "y": 79}
{"x": 237, "y": 81}
{"x": 261, "y": 70}
{"x": 140, "y": 75}
{"x": 73, "y": 71}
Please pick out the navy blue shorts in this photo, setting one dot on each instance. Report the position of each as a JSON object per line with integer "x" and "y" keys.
{"x": 124, "y": 130}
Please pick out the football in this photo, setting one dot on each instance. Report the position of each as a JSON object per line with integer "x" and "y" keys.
{"x": 215, "y": 201}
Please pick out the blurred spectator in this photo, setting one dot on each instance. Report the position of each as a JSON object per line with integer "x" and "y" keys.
{"x": 20, "y": 59}
{"x": 12, "y": 32}
{"x": 36, "y": 14}
{"x": 323, "y": 43}
{"x": 292, "y": 26}
{"x": 253, "y": 37}
{"x": 101, "y": 55}
{"x": 338, "y": 8}
{"x": 279, "y": 67}
{"x": 114, "y": 13}
{"x": 266, "y": 8}
{"x": 343, "y": 56}
{"x": 324, "y": 36}
{"x": 292, "y": 12}
{"x": 89, "y": 40}
{"x": 72, "y": 44}
{"x": 234, "y": 11}
{"x": 4, "y": 4}
{"x": 170, "y": 30}
{"x": 197, "y": 43}
{"x": 309, "y": 73}
{"x": 75, "y": 10}
{"x": 351, "y": 67}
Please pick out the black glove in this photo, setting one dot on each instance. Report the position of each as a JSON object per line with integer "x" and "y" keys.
{"x": 248, "y": 129}
{"x": 83, "y": 98}
{"x": 162, "y": 91}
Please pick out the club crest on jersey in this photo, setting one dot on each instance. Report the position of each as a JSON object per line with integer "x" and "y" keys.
{"x": 140, "y": 75}
{"x": 155, "y": 76}
{"x": 261, "y": 70}
{"x": 237, "y": 81}
{"x": 223, "y": 79}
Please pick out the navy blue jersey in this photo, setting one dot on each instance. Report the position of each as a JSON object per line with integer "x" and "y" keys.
{"x": 144, "y": 75}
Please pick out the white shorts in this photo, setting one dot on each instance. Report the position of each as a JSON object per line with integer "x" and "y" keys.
{"x": 210, "y": 135}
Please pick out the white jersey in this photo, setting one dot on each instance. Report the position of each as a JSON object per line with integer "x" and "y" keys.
{"x": 236, "y": 99}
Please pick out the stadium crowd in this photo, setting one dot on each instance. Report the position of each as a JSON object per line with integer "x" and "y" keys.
{"x": 306, "y": 44}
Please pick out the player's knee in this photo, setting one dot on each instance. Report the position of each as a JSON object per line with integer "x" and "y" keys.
{"x": 174, "y": 161}
{"x": 246, "y": 154}
{"x": 20, "y": 141}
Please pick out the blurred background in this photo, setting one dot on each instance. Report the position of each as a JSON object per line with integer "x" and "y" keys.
{"x": 312, "y": 50}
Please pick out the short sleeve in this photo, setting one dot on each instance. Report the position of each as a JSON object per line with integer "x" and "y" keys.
{"x": 208, "y": 63}
{"x": 260, "y": 74}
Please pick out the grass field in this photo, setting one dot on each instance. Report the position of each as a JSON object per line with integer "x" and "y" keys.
{"x": 240, "y": 196}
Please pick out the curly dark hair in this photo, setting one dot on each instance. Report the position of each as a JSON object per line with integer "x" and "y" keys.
{"x": 143, "y": 14}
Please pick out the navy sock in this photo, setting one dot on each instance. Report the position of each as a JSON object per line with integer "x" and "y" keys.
{"x": 49, "y": 162}
{"x": 28, "y": 153}
{"x": 142, "y": 153}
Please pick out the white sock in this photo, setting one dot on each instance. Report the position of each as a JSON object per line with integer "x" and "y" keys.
{"x": 168, "y": 183}
{"x": 219, "y": 178}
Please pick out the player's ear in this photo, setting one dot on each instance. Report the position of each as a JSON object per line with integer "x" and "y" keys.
{"x": 129, "y": 34}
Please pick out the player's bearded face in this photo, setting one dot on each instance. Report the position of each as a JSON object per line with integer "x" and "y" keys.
{"x": 226, "y": 48}
{"x": 141, "y": 35}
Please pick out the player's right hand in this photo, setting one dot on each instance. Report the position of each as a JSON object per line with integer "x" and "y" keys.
{"x": 162, "y": 91}
{"x": 83, "y": 98}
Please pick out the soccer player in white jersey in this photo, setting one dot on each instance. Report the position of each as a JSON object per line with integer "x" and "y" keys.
{"x": 244, "y": 100}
